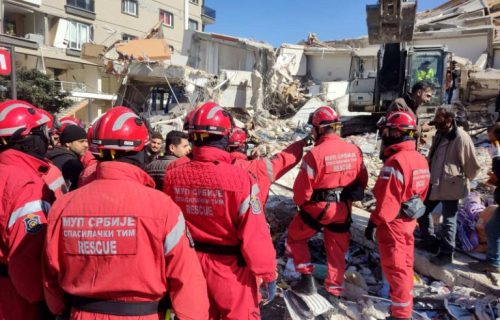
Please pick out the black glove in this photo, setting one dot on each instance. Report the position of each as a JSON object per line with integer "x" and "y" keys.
{"x": 308, "y": 140}
{"x": 370, "y": 231}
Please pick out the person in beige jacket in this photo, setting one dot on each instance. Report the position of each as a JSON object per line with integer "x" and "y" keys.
{"x": 453, "y": 165}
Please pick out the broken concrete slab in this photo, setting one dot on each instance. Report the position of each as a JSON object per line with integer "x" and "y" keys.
{"x": 456, "y": 274}
{"x": 291, "y": 59}
{"x": 302, "y": 116}
{"x": 144, "y": 49}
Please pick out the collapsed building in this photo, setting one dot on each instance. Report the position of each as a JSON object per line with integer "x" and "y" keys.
{"x": 273, "y": 91}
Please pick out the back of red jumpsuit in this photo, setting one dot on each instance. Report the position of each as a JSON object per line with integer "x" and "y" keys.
{"x": 332, "y": 163}
{"x": 223, "y": 211}
{"x": 266, "y": 171}
{"x": 405, "y": 174}
{"x": 25, "y": 203}
{"x": 119, "y": 239}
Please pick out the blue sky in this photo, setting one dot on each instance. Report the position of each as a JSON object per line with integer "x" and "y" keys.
{"x": 280, "y": 21}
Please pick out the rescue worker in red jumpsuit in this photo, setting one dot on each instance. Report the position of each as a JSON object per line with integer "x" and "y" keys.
{"x": 402, "y": 185}
{"x": 332, "y": 175}
{"x": 226, "y": 219}
{"x": 116, "y": 248}
{"x": 26, "y": 200}
{"x": 54, "y": 178}
{"x": 267, "y": 170}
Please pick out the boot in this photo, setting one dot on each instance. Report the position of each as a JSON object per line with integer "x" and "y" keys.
{"x": 427, "y": 246}
{"x": 483, "y": 266}
{"x": 305, "y": 285}
{"x": 442, "y": 259}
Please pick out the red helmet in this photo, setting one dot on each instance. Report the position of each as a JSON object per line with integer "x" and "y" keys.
{"x": 50, "y": 124}
{"x": 188, "y": 119}
{"x": 237, "y": 138}
{"x": 17, "y": 114}
{"x": 401, "y": 120}
{"x": 90, "y": 132}
{"x": 212, "y": 119}
{"x": 65, "y": 121}
{"x": 119, "y": 129}
{"x": 323, "y": 116}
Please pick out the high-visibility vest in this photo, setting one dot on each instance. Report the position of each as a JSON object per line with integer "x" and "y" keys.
{"x": 426, "y": 75}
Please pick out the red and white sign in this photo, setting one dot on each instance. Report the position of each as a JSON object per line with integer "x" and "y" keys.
{"x": 5, "y": 62}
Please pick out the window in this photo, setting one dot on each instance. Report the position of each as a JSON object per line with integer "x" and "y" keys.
{"x": 78, "y": 34}
{"x": 194, "y": 1}
{"x": 82, "y": 4}
{"x": 171, "y": 48}
{"x": 167, "y": 18}
{"x": 129, "y": 7}
{"x": 193, "y": 25}
{"x": 128, "y": 37}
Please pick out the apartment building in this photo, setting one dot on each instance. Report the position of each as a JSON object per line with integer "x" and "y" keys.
{"x": 49, "y": 35}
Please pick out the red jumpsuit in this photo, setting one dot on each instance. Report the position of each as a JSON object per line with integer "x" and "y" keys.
{"x": 332, "y": 163}
{"x": 405, "y": 174}
{"x": 178, "y": 162}
{"x": 224, "y": 214}
{"x": 25, "y": 202}
{"x": 88, "y": 159}
{"x": 55, "y": 181}
{"x": 268, "y": 170}
{"x": 119, "y": 239}
{"x": 88, "y": 174}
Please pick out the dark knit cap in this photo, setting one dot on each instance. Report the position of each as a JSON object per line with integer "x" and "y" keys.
{"x": 72, "y": 133}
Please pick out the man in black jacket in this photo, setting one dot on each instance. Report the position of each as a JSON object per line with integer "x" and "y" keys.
{"x": 176, "y": 146}
{"x": 74, "y": 144}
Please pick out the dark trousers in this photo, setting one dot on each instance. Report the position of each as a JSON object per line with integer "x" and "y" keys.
{"x": 448, "y": 228}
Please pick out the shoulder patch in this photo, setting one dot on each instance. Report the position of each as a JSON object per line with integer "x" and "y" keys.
{"x": 256, "y": 205}
{"x": 32, "y": 224}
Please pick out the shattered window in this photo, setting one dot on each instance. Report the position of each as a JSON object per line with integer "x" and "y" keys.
{"x": 129, "y": 7}
{"x": 167, "y": 18}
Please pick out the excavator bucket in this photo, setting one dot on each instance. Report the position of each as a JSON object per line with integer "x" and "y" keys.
{"x": 391, "y": 21}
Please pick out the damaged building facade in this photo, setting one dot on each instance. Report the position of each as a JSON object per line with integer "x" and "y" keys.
{"x": 54, "y": 36}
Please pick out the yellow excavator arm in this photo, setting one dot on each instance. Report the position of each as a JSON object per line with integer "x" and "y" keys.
{"x": 391, "y": 21}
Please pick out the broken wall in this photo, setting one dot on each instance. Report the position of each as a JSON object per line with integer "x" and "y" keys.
{"x": 465, "y": 46}
{"x": 329, "y": 67}
{"x": 294, "y": 59}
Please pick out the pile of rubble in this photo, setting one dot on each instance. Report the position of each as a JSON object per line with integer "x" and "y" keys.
{"x": 436, "y": 297}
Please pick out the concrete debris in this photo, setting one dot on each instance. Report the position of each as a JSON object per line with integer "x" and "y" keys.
{"x": 272, "y": 92}
{"x": 144, "y": 50}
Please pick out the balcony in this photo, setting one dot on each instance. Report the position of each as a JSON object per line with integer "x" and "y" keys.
{"x": 81, "y": 8}
{"x": 70, "y": 87}
{"x": 22, "y": 27}
{"x": 208, "y": 15}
